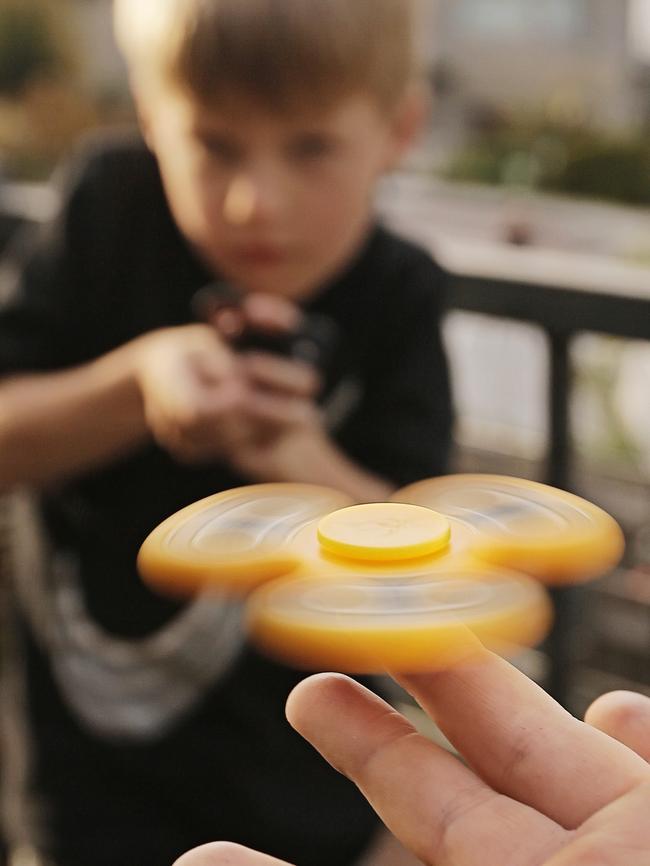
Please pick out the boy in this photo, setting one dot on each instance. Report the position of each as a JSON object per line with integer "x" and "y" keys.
{"x": 152, "y": 727}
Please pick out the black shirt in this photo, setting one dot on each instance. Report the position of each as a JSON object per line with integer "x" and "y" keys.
{"x": 114, "y": 266}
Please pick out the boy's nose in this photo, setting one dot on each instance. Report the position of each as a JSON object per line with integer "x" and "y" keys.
{"x": 239, "y": 203}
{"x": 249, "y": 197}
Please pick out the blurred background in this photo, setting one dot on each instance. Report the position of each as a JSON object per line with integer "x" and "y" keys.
{"x": 532, "y": 185}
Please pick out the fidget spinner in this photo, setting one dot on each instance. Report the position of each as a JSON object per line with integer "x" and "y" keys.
{"x": 403, "y": 585}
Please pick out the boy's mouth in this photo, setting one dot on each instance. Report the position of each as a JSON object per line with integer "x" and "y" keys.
{"x": 261, "y": 254}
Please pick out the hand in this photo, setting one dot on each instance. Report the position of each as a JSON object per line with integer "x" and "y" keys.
{"x": 192, "y": 391}
{"x": 543, "y": 788}
{"x": 254, "y": 312}
{"x": 284, "y": 431}
{"x": 287, "y": 440}
{"x": 540, "y": 788}
{"x": 279, "y": 413}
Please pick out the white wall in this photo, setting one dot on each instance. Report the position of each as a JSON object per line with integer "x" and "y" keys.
{"x": 92, "y": 20}
{"x": 592, "y": 72}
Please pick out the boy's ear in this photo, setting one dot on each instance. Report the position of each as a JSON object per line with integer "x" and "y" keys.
{"x": 408, "y": 121}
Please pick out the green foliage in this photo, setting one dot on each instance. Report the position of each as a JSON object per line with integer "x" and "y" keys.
{"x": 610, "y": 170}
{"x": 567, "y": 159}
{"x": 27, "y": 47}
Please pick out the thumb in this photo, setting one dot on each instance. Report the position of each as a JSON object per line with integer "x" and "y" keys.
{"x": 213, "y": 360}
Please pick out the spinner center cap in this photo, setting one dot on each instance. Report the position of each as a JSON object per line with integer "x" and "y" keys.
{"x": 384, "y": 531}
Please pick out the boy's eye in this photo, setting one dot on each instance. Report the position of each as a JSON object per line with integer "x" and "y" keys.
{"x": 226, "y": 151}
{"x": 311, "y": 147}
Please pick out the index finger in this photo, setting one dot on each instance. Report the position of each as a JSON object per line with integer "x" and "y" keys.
{"x": 436, "y": 806}
{"x": 524, "y": 744}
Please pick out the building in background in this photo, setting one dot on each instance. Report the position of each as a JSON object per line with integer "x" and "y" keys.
{"x": 92, "y": 21}
{"x": 579, "y": 59}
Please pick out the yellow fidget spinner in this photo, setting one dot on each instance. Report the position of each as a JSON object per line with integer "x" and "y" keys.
{"x": 404, "y": 585}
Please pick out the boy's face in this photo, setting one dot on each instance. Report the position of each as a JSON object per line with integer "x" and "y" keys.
{"x": 273, "y": 203}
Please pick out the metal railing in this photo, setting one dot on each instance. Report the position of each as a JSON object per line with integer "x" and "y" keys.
{"x": 563, "y": 294}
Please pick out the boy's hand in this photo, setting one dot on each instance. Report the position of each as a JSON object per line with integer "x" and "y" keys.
{"x": 256, "y": 313}
{"x": 192, "y": 390}
{"x": 280, "y": 435}
{"x": 204, "y": 401}
{"x": 282, "y": 420}
{"x": 279, "y": 429}
{"x": 286, "y": 438}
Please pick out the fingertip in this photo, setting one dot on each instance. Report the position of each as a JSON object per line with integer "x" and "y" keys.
{"x": 304, "y": 701}
{"x": 618, "y": 709}
{"x": 625, "y": 716}
{"x": 271, "y": 311}
{"x": 229, "y": 323}
{"x": 210, "y": 855}
{"x": 226, "y": 854}
{"x": 344, "y": 721}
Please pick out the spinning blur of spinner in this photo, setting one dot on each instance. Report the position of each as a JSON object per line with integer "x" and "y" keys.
{"x": 404, "y": 585}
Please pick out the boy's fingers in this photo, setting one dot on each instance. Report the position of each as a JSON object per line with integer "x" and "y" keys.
{"x": 281, "y": 374}
{"x": 185, "y": 374}
{"x": 195, "y": 408}
{"x": 228, "y": 322}
{"x": 624, "y": 716}
{"x": 437, "y": 807}
{"x": 226, "y": 854}
{"x": 523, "y": 743}
{"x": 271, "y": 312}
{"x": 279, "y": 410}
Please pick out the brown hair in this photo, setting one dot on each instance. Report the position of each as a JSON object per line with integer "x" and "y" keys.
{"x": 283, "y": 53}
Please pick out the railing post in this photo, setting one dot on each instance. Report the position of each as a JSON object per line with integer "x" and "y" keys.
{"x": 561, "y": 642}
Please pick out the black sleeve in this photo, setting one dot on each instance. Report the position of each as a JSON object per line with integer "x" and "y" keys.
{"x": 402, "y": 427}
{"x": 46, "y": 314}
